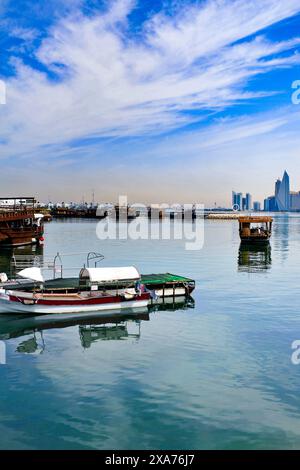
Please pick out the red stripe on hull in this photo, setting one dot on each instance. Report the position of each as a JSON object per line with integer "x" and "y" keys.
{"x": 87, "y": 301}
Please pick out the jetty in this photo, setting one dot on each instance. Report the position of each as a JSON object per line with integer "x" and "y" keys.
{"x": 128, "y": 212}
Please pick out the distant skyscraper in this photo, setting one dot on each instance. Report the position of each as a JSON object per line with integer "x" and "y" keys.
{"x": 233, "y": 200}
{"x": 248, "y": 206}
{"x": 241, "y": 203}
{"x": 244, "y": 203}
{"x": 256, "y": 206}
{"x": 237, "y": 201}
{"x": 270, "y": 204}
{"x": 267, "y": 204}
{"x": 277, "y": 187}
{"x": 282, "y": 193}
{"x": 295, "y": 201}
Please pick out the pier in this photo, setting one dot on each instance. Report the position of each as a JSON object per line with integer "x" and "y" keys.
{"x": 128, "y": 213}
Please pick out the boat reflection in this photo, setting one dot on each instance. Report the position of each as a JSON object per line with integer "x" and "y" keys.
{"x": 120, "y": 331}
{"x": 111, "y": 327}
{"x": 254, "y": 258}
{"x": 173, "y": 303}
{"x": 29, "y": 255}
{"x": 31, "y": 345}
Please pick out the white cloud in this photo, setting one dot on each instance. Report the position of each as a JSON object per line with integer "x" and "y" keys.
{"x": 114, "y": 84}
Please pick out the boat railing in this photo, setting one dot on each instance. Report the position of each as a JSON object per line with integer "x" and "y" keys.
{"x": 17, "y": 203}
{"x": 52, "y": 263}
{"x": 7, "y": 213}
{"x": 93, "y": 256}
{"x": 19, "y": 262}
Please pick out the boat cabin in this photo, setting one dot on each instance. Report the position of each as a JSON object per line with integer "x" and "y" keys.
{"x": 109, "y": 278}
{"x": 255, "y": 229}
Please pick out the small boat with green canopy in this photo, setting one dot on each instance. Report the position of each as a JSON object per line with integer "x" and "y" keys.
{"x": 161, "y": 285}
{"x": 168, "y": 285}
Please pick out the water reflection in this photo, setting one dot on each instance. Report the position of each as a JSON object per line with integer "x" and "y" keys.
{"x": 120, "y": 331}
{"x": 254, "y": 258}
{"x": 172, "y": 304}
{"x": 34, "y": 253}
{"x": 111, "y": 327}
{"x": 32, "y": 345}
{"x": 281, "y": 235}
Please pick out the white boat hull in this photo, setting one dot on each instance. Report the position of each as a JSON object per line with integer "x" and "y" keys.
{"x": 7, "y": 306}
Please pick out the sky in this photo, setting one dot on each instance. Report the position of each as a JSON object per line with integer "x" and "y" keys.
{"x": 171, "y": 101}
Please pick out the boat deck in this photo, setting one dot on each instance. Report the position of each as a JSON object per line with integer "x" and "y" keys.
{"x": 73, "y": 282}
{"x": 166, "y": 278}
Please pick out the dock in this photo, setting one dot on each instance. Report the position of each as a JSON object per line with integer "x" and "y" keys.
{"x": 154, "y": 212}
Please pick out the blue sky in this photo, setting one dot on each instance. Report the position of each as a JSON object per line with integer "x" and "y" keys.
{"x": 164, "y": 101}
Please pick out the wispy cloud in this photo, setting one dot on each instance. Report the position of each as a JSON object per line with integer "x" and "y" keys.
{"x": 95, "y": 79}
{"x": 109, "y": 84}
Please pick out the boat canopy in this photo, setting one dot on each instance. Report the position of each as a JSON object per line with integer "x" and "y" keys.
{"x": 129, "y": 273}
{"x": 34, "y": 274}
{"x": 255, "y": 219}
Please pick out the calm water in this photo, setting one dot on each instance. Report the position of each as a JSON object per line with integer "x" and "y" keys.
{"x": 213, "y": 375}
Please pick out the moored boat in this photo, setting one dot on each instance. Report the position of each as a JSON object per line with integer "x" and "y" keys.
{"x": 255, "y": 229}
{"x": 161, "y": 285}
{"x": 127, "y": 293}
{"x": 168, "y": 285}
{"x": 20, "y": 224}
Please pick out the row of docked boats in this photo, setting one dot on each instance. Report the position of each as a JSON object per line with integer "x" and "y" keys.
{"x": 96, "y": 289}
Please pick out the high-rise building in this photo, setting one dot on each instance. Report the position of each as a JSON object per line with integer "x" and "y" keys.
{"x": 233, "y": 200}
{"x": 270, "y": 204}
{"x": 277, "y": 187}
{"x": 295, "y": 201}
{"x": 248, "y": 205}
{"x": 267, "y": 204}
{"x": 282, "y": 193}
{"x": 237, "y": 201}
{"x": 256, "y": 206}
{"x": 240, "y": 203}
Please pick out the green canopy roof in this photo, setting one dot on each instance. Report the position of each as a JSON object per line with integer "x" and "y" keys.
{"x": 163, "y": 278}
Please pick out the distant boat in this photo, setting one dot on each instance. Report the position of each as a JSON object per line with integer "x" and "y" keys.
{"x": 255, "y": 229}
{"x": 20, "y": 224}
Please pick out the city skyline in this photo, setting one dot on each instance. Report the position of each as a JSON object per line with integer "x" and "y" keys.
{"x": 145, "y": 100}
{"x": 283, "y": 199}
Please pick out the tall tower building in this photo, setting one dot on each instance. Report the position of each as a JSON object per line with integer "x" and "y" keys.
{"x": 277, "y": 187}
{"x": 233, "y": 200}
{"x": 282, "y": 193}
{"x": 248, "y": 202}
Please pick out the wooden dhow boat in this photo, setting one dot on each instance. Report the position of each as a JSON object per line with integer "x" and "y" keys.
{"x": 255, "y": 229}
{"x": 128, "y": 293}
{"x": 20, "y": 224}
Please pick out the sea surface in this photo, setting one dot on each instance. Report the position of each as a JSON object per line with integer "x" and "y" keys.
{"x": 215, "y": 372}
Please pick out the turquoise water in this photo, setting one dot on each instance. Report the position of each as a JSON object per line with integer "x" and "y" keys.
{"x": 213, "y": 375}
